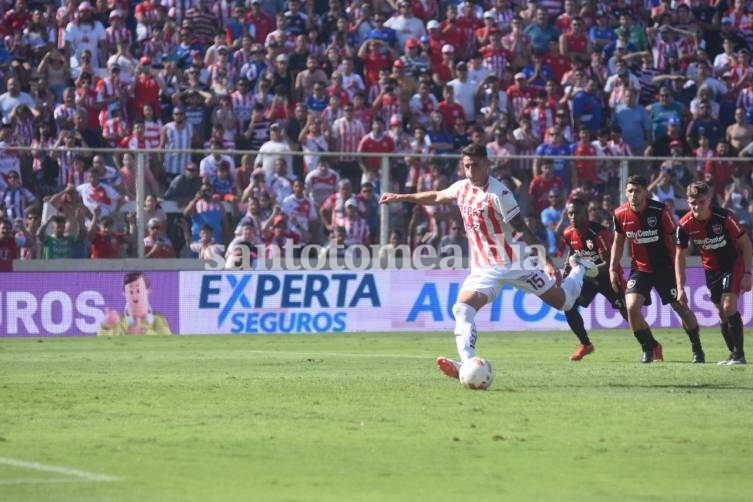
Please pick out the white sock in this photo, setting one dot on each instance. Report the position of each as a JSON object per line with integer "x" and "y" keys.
{"x": 465, "y": 330}
{"x": 571, "y": 285}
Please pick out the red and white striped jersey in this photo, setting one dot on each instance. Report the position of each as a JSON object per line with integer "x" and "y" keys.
{"x": 542, "y": 119}
{"x": 347, "y": 134}
{"x": 486, "y": 214}
{"x": 152, "y": 130}
{"x": 495, "y": 59}
{"x": 660, "y": 51}
{"x": 181, "y": 7}
{"x": 230, "y": 73}
{"x": 114, "y": 130}
{"x": 357, "y": 231}
{"x": 64, "y": 113}
{"x": 321, "y": 185}
{"x": 302, "y": 210}
{"x": 113, "y": 36}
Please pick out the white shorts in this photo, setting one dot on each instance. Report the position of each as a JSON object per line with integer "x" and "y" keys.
{"x": 488, "y": 281}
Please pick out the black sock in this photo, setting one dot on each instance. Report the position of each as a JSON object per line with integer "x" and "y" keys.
{"x": 646, "y": 339}
{"x": 575, "y": 321}
{"x": 726, "y": 336}
{"x": 736, "y": 334}
{"x": 695, "y": 339}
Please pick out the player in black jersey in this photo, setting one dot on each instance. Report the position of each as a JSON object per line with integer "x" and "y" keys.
{"x": 594, "y": 241}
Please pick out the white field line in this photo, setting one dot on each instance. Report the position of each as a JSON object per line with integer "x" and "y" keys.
{"x": 68, "y": 471}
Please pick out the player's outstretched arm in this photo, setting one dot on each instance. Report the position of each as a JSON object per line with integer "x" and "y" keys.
{"x": 422, "y": 198}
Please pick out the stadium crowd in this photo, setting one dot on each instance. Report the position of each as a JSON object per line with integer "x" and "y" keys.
{"x": 554, "y": 80}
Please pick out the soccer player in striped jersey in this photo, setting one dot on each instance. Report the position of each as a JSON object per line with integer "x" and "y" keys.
{"x": 503, "y": 249}
{"x": 727, "y": 256}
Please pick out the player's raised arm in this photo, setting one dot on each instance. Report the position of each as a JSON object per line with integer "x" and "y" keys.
{"x": 422, "y": 198}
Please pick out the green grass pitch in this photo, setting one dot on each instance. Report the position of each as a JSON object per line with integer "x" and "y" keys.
{"x": 369, "y": 418}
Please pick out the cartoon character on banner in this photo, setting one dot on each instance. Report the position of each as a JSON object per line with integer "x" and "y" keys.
{"x": 138, "y": 317}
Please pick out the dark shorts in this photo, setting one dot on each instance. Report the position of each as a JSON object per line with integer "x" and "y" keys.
{"x": 720, "y": 282}
{"x": 602, "y": 286}
{"x": 663, "y": 280}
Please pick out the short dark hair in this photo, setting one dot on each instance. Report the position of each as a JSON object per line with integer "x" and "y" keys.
{"x": 475, "y": 150}
{"x": 637, "y": 179}
{"x": 578, "y": 203}
{"x": 133, "y": 277}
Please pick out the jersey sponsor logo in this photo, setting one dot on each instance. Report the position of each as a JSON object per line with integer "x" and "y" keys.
{"x": 470, "y": 210}
{"x": 652, "y": 221}
{"x": 710, "y": 243}
{"x": 643, "y": 236}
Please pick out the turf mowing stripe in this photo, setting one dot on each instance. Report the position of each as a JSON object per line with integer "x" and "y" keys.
{"x": 88, "y": 476}
{"x": 42, "y": 481}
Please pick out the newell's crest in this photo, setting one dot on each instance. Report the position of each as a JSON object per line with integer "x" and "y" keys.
{"x": 631, "y": 284}
{"x": 652, "y": 221}
{"x": 717, "y": 229}
{"x": 590, "y": 244}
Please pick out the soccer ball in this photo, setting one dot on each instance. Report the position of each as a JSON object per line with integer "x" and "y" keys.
{"x": 476, "y": 374}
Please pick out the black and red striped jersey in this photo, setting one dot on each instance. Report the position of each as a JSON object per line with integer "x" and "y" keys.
{"x": 716, "y": 238}
{"x": 650, "y": 234}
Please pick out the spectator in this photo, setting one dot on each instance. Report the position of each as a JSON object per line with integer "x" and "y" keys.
{"x": 633, "y": 121}
{"x": 542, "y": 184}
{"x": 205, "y": 247}
{"x": 14, "y": 97}
{"x": 157, "y": 245}
{"x": 10, "y": 245}
{"x": 346, "y": 136}
{"x": 177, "y": 135}
{"x": 552, "y": 217}
{"x": 705, "y": 123}
{"x": 274, "y": 149}
{"x": 555, "y": 147}
{"x": 205, "y": 209}
{"x": 16, "y": 199}
{"x": 104, "y": 241}
{"x": 375, "y": 141}
{"x": 61, "y": 242}
{"x": 96, "y": 195}
{"x": 184, "y": 187}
